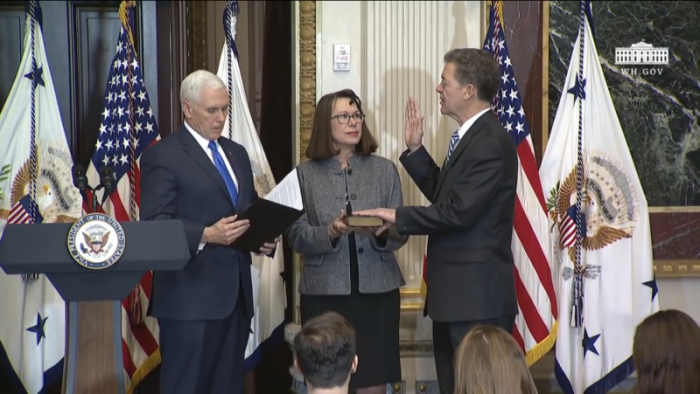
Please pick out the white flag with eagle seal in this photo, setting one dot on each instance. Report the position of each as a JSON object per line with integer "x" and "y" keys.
{"x": 269, "y": 296}
{"x": 600, "y": 230}
{"x": 36, "y": 187}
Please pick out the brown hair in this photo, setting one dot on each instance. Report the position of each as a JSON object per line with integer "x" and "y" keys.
{"x": 325, "y": 350}
{"x": 489, "y": 361}
{"x": 667, "y": 354}
{"x": 321, "y": 143}
{"x": 476, "y": 67}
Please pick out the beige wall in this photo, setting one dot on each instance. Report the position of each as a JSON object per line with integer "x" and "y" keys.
{"x": 396, "y": 51}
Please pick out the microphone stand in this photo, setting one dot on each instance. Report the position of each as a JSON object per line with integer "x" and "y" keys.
{"x": 94, "y": 197}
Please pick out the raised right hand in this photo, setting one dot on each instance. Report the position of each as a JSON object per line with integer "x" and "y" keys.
{"x": 225, "y": 231}
{"x": 413, "y": 125}
{"x": 338, "y": 226}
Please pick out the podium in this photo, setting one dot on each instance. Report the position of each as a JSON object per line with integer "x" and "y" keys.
{"x": 93, "y": 360}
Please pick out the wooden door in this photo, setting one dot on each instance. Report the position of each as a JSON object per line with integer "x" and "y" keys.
{"x": 80, "y": 39}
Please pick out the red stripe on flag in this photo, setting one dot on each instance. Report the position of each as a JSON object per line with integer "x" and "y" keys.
{"x": 137, "y": 180}
{"x": 87, "y": 204}
{"x": 535, "y": 324}
{"x": 529, "y": 166}
{"x": 129, "y": 366}
{"x": 519, "y": 338}
{"x": 534, "y": 252}
{"x": 119, "y": 211}
{"x": 144, "y": 337}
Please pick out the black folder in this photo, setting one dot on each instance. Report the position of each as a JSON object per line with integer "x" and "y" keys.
{"x": 268, "y": 219}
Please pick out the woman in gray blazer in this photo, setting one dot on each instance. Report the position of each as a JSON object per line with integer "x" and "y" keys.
{"x": 350, "y": 270}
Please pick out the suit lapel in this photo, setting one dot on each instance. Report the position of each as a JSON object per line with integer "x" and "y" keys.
{"x": 200, "y": 157}
{"x": 462, "y": 146}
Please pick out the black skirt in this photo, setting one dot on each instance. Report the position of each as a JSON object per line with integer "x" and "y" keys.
{"x": 375, "y": 318}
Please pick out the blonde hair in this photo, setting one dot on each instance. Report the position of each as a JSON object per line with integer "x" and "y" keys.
{"x": 489, "y": 361}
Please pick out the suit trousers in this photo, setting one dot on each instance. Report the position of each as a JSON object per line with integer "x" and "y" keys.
{"x": 446, "y": 339}
{"x": 204, "y": 356}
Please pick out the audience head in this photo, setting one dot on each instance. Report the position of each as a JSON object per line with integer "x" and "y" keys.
{"x": 205, "y": 103}
{"x": 325, "y": 351}
{"x": 667, "y": 354}
{"x": 469, "y": 81}
{"x": 339, "y": 123}
{"x": 489, "y": 361}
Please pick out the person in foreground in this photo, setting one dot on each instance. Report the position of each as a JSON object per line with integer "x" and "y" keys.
{"x": 489, "y": 361}
{"x": 666, "y": 354}
{"x": 351, "y": 271}
{"x": 326, "y": 337}
{"x": 470, "y": 269}
{"x": 204, "y": 311}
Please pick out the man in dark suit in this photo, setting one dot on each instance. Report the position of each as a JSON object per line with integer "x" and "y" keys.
{"x": 204, "y": 311}
{"x": 470, "y": 276}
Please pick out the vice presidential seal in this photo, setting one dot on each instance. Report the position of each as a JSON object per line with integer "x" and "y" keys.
{"x": 610, "y": 208}
{"x": 96, "y": 241}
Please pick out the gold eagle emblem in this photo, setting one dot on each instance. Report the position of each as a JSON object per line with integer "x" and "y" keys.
{"x": 97, "y": 243}
{"x": 610, "y": 206}
{"x": 53, "y": 203}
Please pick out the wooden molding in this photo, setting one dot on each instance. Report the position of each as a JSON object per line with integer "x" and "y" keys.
{"x": 677, "y": 268}
{"x": 307, "y": 73}
{"x": 197, "y": 51}
{"x": 306, "y": 86}
{"x": 545, "y": 76}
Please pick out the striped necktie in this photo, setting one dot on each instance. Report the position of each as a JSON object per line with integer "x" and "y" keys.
{"x": 453, "y": 144}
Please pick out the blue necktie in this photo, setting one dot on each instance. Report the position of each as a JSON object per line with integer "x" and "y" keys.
{"x": 453, "y": 144}
{"x": 223, "y": 171}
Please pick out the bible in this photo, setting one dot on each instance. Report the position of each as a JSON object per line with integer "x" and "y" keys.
{"x": 363, "y": 221}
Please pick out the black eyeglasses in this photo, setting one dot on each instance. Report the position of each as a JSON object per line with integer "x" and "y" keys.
{"x": 345, "y": 118}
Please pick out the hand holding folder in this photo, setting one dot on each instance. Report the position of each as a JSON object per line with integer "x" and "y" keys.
{"x": 271, "y": 215}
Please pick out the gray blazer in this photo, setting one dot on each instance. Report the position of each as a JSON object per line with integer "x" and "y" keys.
{"x": 372, "y": 182}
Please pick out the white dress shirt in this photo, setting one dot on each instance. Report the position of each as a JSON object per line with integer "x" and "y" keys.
{"x": 469, "y": 123}
{"x": 204, "y": 143}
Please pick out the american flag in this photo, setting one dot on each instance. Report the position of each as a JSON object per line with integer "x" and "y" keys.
{"x": 567, "y": 227}
{"x": 19, "y": 214}
{"x": 535, "y": 328}
{"x": 128, "y": 128}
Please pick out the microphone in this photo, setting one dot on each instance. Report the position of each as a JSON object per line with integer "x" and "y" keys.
{"x": 80, "y": 180}
{"x": 107, "y": 181}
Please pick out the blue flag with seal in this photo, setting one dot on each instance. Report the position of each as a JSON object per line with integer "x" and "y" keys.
{"x": 600, "y": 229}
{"x": 36, "y": 186}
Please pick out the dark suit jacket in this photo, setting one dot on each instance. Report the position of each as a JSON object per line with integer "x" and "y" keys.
{"x": 179, "y": 181}
{"x": 470, "y": 272}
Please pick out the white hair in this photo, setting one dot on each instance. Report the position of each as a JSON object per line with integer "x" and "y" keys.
{"x": 192, "y": 86}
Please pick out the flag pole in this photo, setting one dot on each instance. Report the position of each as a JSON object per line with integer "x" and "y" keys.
{"x": 230, "y": 12}
{"x": 577, "y": 307}
{"x": 33, "y": 154}
{"x": 125, "y": 13}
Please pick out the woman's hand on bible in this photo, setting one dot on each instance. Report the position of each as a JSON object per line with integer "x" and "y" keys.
{"x": 338, "y": 226}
